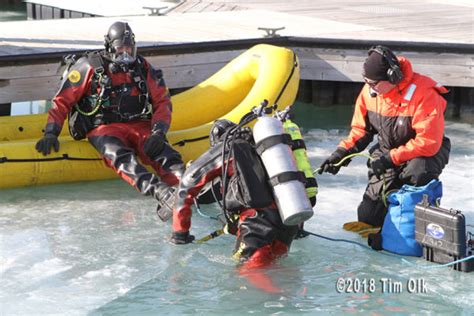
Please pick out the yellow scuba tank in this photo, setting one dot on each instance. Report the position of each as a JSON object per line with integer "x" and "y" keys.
{"x": 301, "y": 157}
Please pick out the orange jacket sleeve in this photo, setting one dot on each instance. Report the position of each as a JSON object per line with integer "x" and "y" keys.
{"x": 360, "y": 135}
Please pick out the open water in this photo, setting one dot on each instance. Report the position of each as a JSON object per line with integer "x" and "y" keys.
{"x": 12, "y": 12}
{"x": 98, "y": 248}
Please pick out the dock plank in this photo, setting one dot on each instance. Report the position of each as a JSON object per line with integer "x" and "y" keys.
{"x": 422, "y": 21}
{"x": 40, "y": 82}
{"x": 39, "y": 70}
{"x": 331, "y": 65}
{"x": 404, "y": 16}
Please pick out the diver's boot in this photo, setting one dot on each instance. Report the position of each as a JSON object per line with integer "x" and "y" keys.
{"x": 166, "y": 197}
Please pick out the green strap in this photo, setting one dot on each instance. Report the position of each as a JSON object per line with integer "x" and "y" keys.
{"x": 98, "y": 101}
{"x": 94, "y": 110}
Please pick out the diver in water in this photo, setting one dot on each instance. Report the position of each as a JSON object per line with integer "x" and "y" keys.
{"x": 233, "y": 172}
{"x": 120, "y": 103}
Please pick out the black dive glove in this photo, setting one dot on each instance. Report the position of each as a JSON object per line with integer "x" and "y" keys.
{"x": 381, "y": 164}
{"x": 178, "y": 238}
{"x": 154, "y": 144}
{"x": 50, "y": 139}
{"x": 329, "y": 164}
{"x": 301, "y": 233}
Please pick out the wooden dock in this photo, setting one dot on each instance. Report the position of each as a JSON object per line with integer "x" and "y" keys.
{"x": 197, "y": 38}
{"x": 405, "y": 20}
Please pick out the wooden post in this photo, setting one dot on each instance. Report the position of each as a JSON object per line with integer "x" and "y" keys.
{"x": 304, "y": 91}
{"x": 323, "y": 93}
{"x": 456, "y": 101}
{"x": 470, "y": 103}
{"x": 347, "y": 92}
{"x": 5, "y": 109}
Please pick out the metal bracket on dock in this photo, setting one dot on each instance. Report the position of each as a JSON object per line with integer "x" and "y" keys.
{"x": 156, "y": 11}
{"x": 271, "y": 31}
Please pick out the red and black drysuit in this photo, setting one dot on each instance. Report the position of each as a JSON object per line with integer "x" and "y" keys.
{"x": 409, "y": 122}
{"x": 261, "y": 235}
{"x": 120, "y": 127}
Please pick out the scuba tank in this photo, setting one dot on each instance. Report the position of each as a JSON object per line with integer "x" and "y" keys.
{"x": 287, "y": 182}
{"x": 299, "y": 151}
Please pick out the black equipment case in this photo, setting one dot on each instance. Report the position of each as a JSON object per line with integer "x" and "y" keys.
{"x": 442, "y": 234}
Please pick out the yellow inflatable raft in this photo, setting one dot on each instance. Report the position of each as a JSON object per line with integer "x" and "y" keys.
{"x": 262, "y": 72}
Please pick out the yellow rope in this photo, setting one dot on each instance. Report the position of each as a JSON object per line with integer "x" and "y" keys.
{"x": 212, "y": 235}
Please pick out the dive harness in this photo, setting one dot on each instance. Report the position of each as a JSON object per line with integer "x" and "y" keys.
{"x": 101, "y": 100}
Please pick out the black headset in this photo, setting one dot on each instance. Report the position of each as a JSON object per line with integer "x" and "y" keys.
{"x": 394, "y": 72}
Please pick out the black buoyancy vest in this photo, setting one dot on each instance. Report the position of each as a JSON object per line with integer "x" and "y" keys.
{"x": 117, "y": 103}
{"x": 248, "y": 187}
{"x": 108, "y": 104}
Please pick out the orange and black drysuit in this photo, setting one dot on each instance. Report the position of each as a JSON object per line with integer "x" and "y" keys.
{"x": 409, "y": 122}
{"x": 133, "y": 103}
{"x": 261, "y": 235}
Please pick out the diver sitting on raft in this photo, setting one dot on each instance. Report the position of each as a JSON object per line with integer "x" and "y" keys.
{"x": 120, "y": 103}
{"x": 262, "y": 211}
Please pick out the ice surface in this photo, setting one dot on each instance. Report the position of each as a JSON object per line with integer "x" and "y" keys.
{"x": 98, "y": 248}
